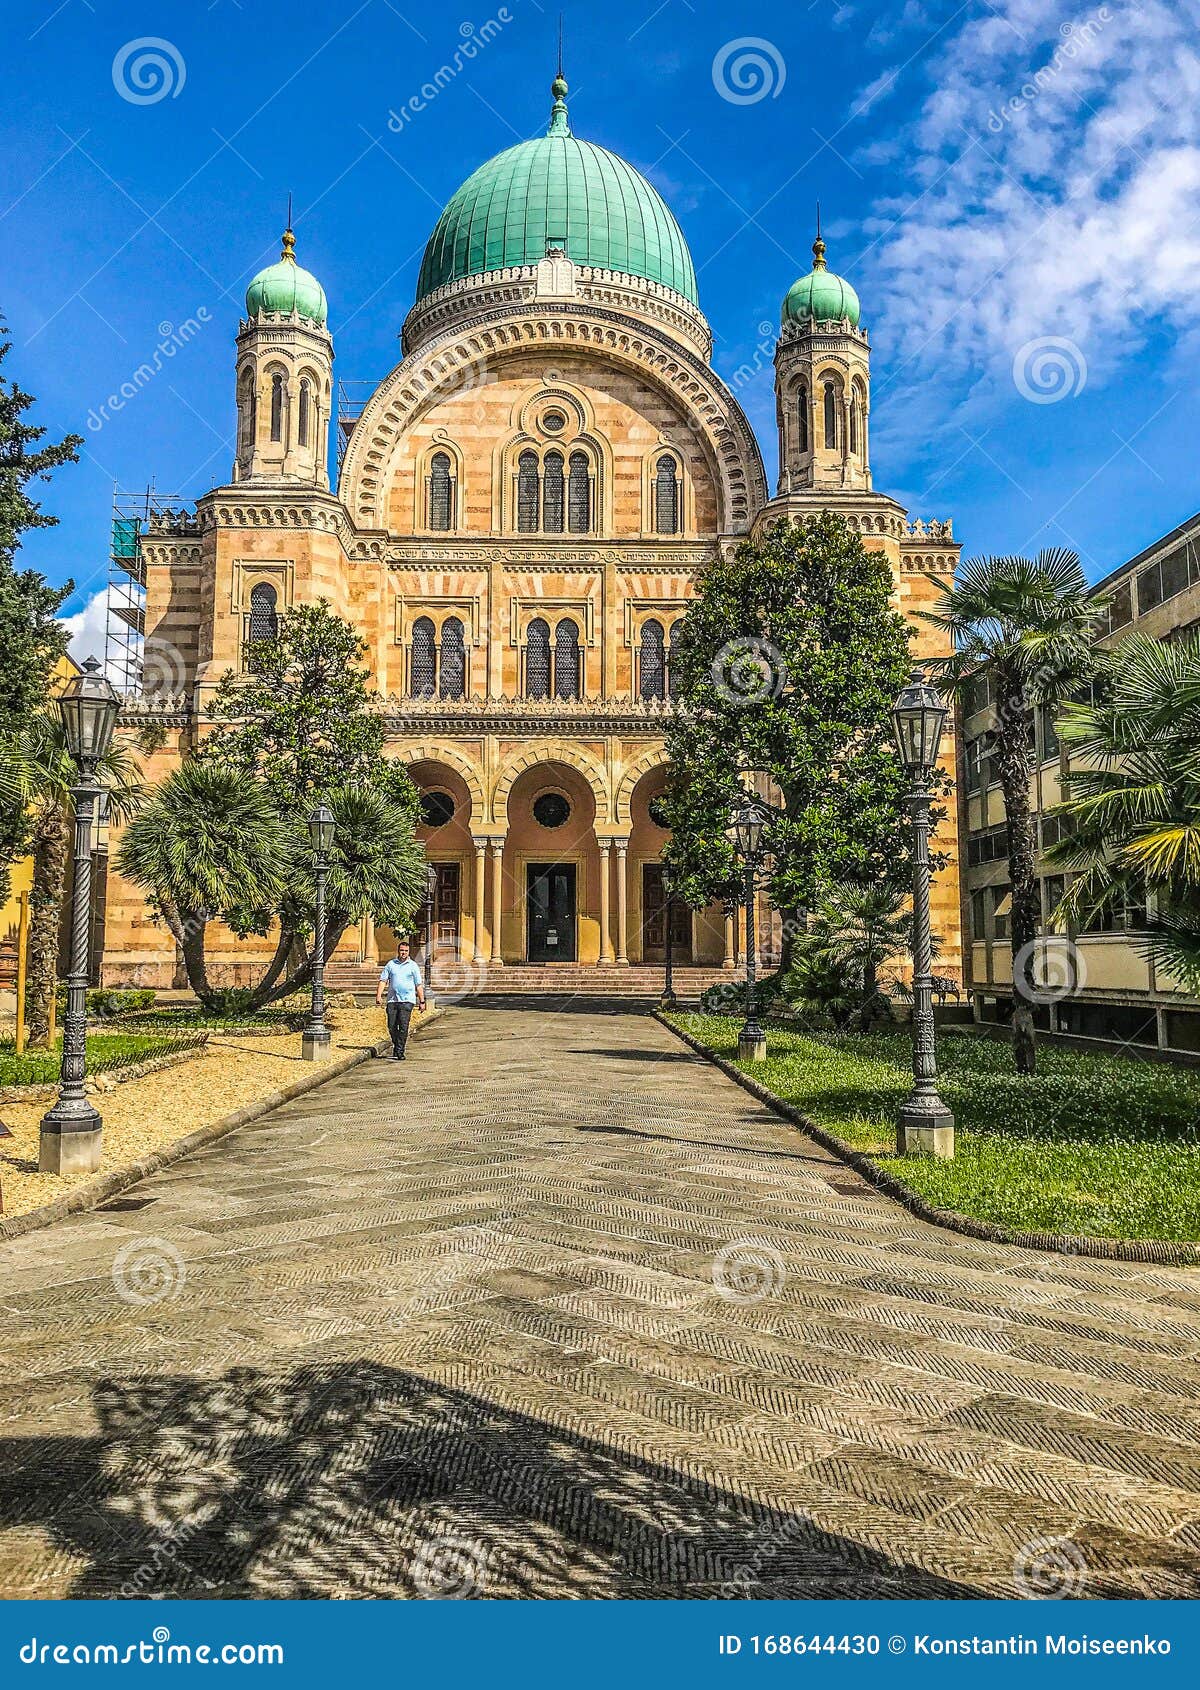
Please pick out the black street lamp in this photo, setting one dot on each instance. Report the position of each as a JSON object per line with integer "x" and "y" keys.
{"x": 751, "y": 816}
{"x": 70, "y": 1133}
{"x": 668, "y": 1000}
{"x": 315, "y": 1045}
{"x": 924, "y": 1127}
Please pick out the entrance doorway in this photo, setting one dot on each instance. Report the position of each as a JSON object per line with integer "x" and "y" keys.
{"x": 446, "y": 908}
{"x": 654, "y": 920}
{"x": 550, "y": 902}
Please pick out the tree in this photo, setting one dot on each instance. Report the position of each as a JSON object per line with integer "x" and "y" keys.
{"x": 1132, "y": 809}
{"x": 853, "y": 932}
{"x": 43, "y": 774}
{"x": 789, "y": 660}
{"x": 31, "y": 638}
{"x": 1025, "y": 627}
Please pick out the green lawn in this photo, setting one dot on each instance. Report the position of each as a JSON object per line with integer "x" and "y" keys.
{"x": 105, "y": 1051}
{"x": 1098, "y": 1145}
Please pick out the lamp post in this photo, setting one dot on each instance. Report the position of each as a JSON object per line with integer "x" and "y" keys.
{"x": 70, "y": 1132}
{"x": 751, "y": 816}
{"x": 668, "y": 1000}
{"x": 315, "y": 1045}
{"x": 924, "y": 1127}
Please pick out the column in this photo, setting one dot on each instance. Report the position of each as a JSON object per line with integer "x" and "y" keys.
{"x": 497, "y": 898}
{"x": 480, "y": 852}
{"x": 606, "y": 946}
{"x": 622, "y": 902}
{"x": 727, "y": 961}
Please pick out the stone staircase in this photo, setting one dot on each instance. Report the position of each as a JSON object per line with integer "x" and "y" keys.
{"x": 611, "y": 980}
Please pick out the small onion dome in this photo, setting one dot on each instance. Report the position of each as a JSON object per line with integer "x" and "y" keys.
{"x": 285, "y": 287}
{"x": 820, "y": 296}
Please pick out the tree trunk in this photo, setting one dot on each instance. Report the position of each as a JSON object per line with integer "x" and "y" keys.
{"x": 1015, "y": 745}
{"x": 170, "y": 915}
{"x": 302, "y": 976}
{"x": 192, "y": 924}
{"x": 50, "y": 853}
{"x": 283, "y": 949}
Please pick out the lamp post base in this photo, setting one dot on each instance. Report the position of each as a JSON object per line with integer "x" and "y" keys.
{"x": 925, "y": 1131}
{"x": 70, "y": 1147}
{"x": 668, "y": 1000}
{"x": 752, "y": 1045}
{"x": 316, "y": 1045}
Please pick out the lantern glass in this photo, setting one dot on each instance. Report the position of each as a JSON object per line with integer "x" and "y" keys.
{"x": 321, "y": 830}
{"x": 88, "y": 708}
{"x": 749, "y": 820}
{"x": 918, "y": 716}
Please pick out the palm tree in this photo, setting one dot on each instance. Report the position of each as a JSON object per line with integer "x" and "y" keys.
{"x": 1133, "y": 795}
{"x": 209, "y": 842}
{"x": 39, "y": 767}
{"x": 1025, "y": 625}
{"x": 853, "y": 931}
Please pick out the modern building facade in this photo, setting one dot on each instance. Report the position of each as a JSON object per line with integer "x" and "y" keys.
{"x": 1100, "y": 986}
{"x": 523, "y": 509}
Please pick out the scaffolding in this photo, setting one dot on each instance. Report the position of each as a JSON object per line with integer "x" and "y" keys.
{"x": 352, "y": 402}
{"x": 133, "y": 514}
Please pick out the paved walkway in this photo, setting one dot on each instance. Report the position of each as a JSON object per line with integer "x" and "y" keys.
{"x": 555, "y": 1309}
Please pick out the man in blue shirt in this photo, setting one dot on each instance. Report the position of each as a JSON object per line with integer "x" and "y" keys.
{"x": 405, "y": 988}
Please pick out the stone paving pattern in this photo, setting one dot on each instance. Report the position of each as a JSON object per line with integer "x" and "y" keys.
{"x": 556, "y": 1309}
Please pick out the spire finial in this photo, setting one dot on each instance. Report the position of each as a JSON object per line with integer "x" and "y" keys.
{"x": 559, "y": 124}
{"x": 288, "y": 255}
{"x": 818, "y": 247}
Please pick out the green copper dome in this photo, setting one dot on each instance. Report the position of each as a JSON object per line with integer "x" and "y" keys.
{"x": 557, "y": 192}
{"x": 286, "y": 287}
{"x": 820, "y": 295}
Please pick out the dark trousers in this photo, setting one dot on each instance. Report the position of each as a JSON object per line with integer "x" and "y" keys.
{"x": 399, "y": 1016}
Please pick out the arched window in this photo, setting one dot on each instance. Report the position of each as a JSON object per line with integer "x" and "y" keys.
{"x": 264, "y": 617}
{"x": 666, "y": 497}
{"x": 424, "y": 659}
{"x": 439, "y": 490}
{"x": 802, "y": 417}
{"x": 537, "y": 659}
{"x": 566, "y": 660}
{"x": 672, "y": 682}
{"x": 853, "y": 420}
{"x": 452, "y": 669}
{"x": 304, "y": 422}
{"x": 830, "y": 415}
{"x": 579, "y": 496}
{"x": 246, "y": 410}
{"x": 277, "y": 407}
{"x": 527, "y": 493}
{"x": 653, "y": 666}
{"x": 552, "y": 493}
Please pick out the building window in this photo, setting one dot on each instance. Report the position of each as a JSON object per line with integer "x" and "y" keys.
{"x": 552, "y": 493}
{"x": 802, "y": 418}
{"x": 437, "y": 808}
{"x": 304, "y": 423}
{"x": 247, "y": 410}
{"x": 672, "y": 681}
{"x": 537, "y": 659}
{"x": 424, "y": 658}
{"x": 439, "y": 491}
{"x": 579, "y": 495}
{"x": 551, "y": 809}
{"x": 1047, "y": 733}
{"x": 854, "y": 422}
{"x": 1120, "y": 610}
{"x": 1054, "y": 890}
{"x": 276, "y": 407}
{"x": 978, "y": 915}
{"x": 264, "y": 615}
{"x": 988, "y": 846}
{"x": 527, "y": 493}
{"x": 452, "y": 664}
{"x": 830, "y": 416}
{"x": 666, "y": 496}
{"x": 566, "y": 659}
{"x": 652, "y": 667}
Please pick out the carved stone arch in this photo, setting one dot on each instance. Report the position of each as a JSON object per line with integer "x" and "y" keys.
{"x": 551, "y": 751}
{"x": 654, "y": 757}
{"x": 438, "y": 751}
{"x": 722, "y": 432}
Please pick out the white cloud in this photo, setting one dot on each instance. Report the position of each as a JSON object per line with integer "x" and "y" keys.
{"x": 87, "y": 627}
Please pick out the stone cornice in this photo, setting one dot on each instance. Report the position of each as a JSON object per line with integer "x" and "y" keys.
{"x": 518, "y": 553}
{"x": 540, "y": 718}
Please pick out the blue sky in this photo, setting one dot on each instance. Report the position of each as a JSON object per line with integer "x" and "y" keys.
{"x": 1013, "y": 189}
